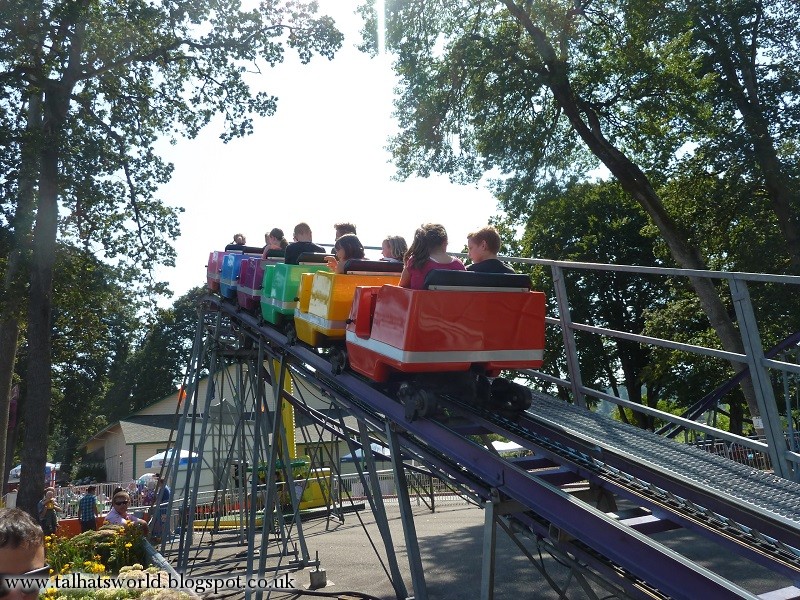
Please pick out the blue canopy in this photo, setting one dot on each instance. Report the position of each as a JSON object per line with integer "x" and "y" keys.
{"x": 359, "y": 454}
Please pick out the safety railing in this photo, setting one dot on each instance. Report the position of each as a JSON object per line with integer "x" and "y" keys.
{"x": 424, "y": 489}
{"x": 67, "y": 497}
{"x": 232, "y": 510}
{"x": 774, "y": 447}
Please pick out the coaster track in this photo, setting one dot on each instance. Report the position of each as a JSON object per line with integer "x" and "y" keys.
{"x": 669, "y": 485}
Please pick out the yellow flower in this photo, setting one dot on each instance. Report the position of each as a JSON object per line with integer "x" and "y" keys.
{"x": 128, "y": 545}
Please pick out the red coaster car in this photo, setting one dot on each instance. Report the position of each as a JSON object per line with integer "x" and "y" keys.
{"x": 213, "y": 269}
{"x": 449, "y": 338}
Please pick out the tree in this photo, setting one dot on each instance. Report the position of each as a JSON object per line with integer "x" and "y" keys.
{"x": 157, "y": 365}
{"x": 93, "y": 310}
{"x": 598, "y": 222}
{"x": 89, "y": 86}
{"x": 750, "y": 50}
{"x": 537, "y": 89}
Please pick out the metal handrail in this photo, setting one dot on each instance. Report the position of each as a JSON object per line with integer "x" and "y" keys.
{"x": 783, "y": 461}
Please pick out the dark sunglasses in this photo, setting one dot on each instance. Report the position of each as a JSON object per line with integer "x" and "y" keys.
{"x": 120, "y": 502}
{"x": 28, "y": 586}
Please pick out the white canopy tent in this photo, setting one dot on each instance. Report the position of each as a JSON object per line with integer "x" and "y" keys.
{"x": 157, "y": 460}
{"x": 359, "y": 454}
{"x": 506, "y": 447}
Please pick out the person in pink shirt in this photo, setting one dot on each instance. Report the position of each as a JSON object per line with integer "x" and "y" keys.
{"x": 118, "y": 515}
{"x": 428, "y": 252}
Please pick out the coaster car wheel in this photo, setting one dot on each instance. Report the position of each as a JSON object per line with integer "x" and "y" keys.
{"x": 510, "y": 396}
{"x": 417, "y": 402}
{"x": 291, "y": 333}
{"x": 426, "y": 403}
{"x": 338, "y": 359}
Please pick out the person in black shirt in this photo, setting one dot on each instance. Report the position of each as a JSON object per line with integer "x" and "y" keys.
{"x": 483, "y": 246}
{"x": 302, "y": 243}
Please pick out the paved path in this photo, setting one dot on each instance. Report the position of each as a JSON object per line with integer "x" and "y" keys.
{"x": 450, "y": 544}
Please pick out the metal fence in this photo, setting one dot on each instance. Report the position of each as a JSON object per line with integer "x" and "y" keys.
{"x": 734, "y": 289}
{"x": 424, "y": 489}
{"x": 67, "y": 497}
{"x": 738, "y": 453}
{"x": 231, "y": 510}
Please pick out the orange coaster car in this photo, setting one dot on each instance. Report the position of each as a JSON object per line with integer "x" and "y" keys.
{"x": 325, "y": 300}
{"x": 477, "y": 324}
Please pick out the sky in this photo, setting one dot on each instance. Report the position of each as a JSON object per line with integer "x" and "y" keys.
{"x": 320, "y": 159}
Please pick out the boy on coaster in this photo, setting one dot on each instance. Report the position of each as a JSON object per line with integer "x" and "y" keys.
{"x": 483, "y": 246}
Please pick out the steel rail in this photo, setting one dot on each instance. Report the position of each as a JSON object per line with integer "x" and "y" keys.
{"x": 645, "y": 558}
{"x": 694, "y": 506}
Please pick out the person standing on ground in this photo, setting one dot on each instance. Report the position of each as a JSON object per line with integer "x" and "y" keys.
{"x": 47, "y": 509}
{"x": 87, "y": 510}
{"x": 161, "y": 514}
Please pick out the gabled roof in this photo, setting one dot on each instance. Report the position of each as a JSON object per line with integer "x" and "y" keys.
{"x": 147, "y": 429}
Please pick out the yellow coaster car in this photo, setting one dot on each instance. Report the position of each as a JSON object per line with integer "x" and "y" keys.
{"x": 325, "y": 299}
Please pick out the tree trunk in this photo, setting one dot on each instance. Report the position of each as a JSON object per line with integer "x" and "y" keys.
{"x": 39, "y": 396}
{"x": 17, "y": 270}
{"x": 736, "y": 417}
{"x": 9, "y": 335}
{"x": 55, "y": 106}
{"x": 636, "y": 183}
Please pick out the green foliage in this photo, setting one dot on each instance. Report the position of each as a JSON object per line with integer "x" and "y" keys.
{"x": 106, "y": 550}
{"x": 598, "y": 223}
{"x": 94, "y": 312}
{"x": 86, "y": 90}
{"x": 137, "y": 72}
{"x": 111, "y": 550}
{"x": 95, "y": 471}
{"x": 154, "y": 366}
{"x": 533, "y": 91}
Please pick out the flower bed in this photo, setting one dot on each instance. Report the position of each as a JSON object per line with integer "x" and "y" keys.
{"x": 104, "y": 551}
{"x": 110, "y": 551}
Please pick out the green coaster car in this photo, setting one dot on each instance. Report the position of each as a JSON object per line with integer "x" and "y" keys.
{"x": 280, "y": 289}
